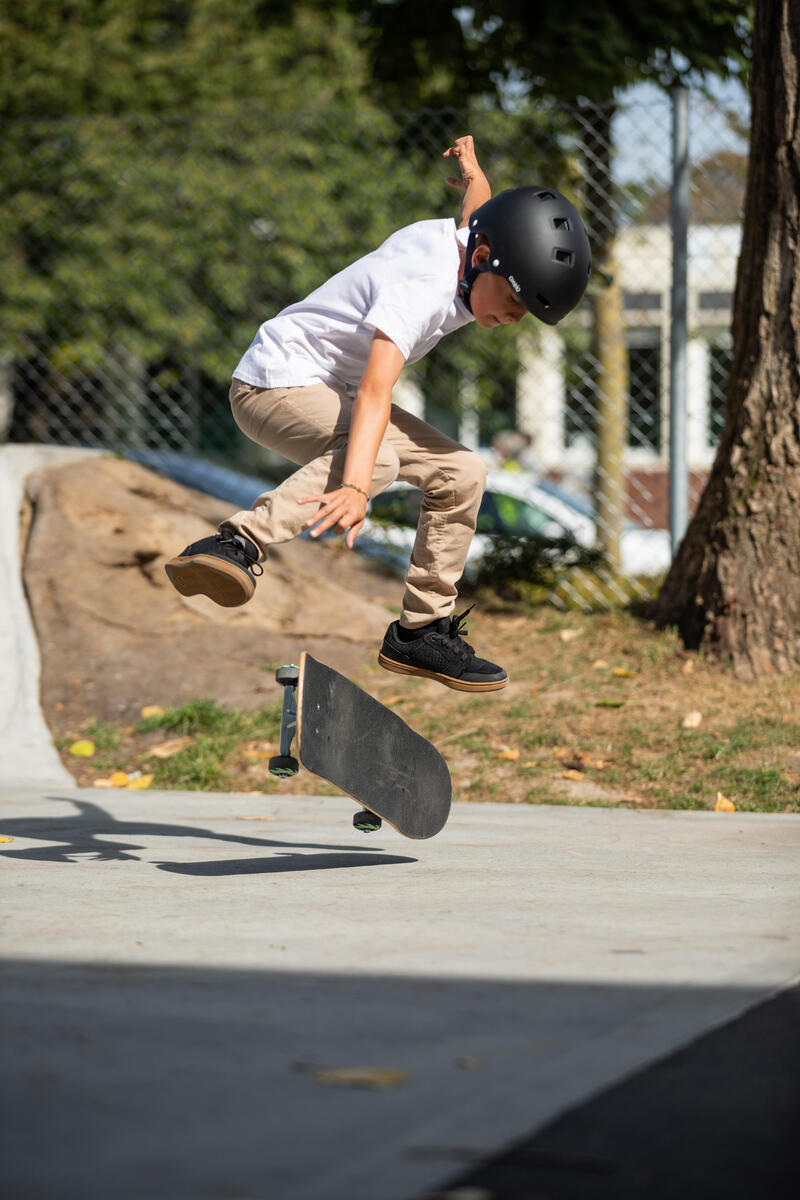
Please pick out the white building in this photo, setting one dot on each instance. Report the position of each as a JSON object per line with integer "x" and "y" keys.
{"x": 557, "y": 413}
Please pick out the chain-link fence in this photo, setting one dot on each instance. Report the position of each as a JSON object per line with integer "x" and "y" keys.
{"x": 141, "y": 254}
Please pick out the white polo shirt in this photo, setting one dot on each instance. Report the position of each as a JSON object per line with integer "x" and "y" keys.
{"x": 406, "y": 288}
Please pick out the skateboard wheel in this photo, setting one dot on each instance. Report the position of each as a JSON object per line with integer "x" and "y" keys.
{"x": 289, "y": 674}
{"x": 283, "y": 765}
{"x": 366, "y": 821}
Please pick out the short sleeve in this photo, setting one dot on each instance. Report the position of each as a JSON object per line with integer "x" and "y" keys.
{"x": 409, "y": 312}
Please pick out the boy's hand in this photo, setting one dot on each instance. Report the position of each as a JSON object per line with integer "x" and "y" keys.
{"x": 345, "y": 509}
{"x": 464, "y": 151}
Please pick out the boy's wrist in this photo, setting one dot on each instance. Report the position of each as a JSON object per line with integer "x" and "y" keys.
{"x": 356, "y": 488}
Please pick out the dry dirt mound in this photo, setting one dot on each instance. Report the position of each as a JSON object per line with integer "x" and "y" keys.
{"x": 113, "y": 633}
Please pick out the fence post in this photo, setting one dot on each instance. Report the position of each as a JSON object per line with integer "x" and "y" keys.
{"x": 679, "y": 327}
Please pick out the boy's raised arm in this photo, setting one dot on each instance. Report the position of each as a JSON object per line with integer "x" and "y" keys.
{"x": 473, "y": 183}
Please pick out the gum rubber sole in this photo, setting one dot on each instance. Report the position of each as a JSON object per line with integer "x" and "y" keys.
{"x": 204, "y": 575}
{"x": 458, "y": 685}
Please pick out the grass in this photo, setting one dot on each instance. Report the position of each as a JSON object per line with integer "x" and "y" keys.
{"x": 595, "y": 714}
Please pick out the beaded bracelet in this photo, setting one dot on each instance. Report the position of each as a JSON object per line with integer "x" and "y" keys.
{"x": 356, "y": 488}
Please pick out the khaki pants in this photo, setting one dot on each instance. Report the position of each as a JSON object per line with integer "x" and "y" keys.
{"x": 310, "y": 426}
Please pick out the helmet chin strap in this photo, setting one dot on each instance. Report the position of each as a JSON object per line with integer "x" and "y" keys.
{"x": 467, "y": 281}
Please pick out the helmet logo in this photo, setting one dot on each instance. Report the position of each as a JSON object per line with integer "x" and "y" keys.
{"x": 514, "y": 284}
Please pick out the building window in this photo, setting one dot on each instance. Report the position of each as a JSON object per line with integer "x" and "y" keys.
{"x": 644, "y": 396}
{"x": 719, "y": 370}
{"x": 583, "y": 408}
{"x": 642, "y": 301}
{"x": 715, "y": 300}
{"x": 580, "y": 412}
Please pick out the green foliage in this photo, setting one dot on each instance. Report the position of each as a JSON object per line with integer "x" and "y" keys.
{"x": 172, "y": 174}
{"x": 173, "y": 236}
{"x": 584, "y": 51}
{"x": 529, "y": 568}
{"x": 105, "y": 734}
{"x": 117, "y": 57}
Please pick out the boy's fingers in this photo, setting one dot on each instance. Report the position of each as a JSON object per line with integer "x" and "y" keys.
{"x": 328, "y": 516}
{"x": 322, "y": 526}
{"x": 352, "y": 534}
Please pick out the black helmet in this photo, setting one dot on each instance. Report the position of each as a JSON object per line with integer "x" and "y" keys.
{"x": 538, "y": 243}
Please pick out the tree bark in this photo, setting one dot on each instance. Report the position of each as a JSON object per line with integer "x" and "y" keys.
{"x": 734, "y": 587}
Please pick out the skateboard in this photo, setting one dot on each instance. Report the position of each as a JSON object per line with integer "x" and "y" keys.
{"x": 346, "y": 736}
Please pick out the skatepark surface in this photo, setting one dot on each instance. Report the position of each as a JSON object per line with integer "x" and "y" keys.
{"x": 240, "y": 996}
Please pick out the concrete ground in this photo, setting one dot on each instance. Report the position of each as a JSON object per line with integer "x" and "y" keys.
{"x": 240, "y": 997}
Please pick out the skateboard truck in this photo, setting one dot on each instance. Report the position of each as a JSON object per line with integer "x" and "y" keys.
{"x": 284, "y": 765}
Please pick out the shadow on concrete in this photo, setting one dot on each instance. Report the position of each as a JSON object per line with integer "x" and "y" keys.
{"x": 285, "y": 862}
{"x": 717, "y": 1120}
{"x": 94, "y": 833}
{"x": 134, "y": 1081}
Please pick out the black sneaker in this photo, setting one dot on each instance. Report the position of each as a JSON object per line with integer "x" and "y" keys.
{"x": 222, "y": 567}
{"x": 441, "y": 653}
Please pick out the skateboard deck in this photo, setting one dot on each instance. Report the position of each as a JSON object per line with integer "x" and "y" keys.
{"x": 349, "y": 738}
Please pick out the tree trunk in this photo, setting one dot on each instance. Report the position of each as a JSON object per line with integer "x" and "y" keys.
{"x": 734, "y": 588}
{"x": 609, "y": 349}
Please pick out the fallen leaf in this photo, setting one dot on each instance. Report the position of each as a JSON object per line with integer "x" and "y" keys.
{"x": 174, "y": 746}
{"x": 151, "y": 710}
{"x": 398, "y": 699}
{"x": 119, "y": 779}
{"x": 82, "y": 749}
{"x": 508, "y": 754}
{"x": 724, "y": 804}
{"x": 624, "y": 673}
{"x": 379, "y": 1079}
{"x": 140, "y": 783}
{"x": 692, "y": 720}
{"x": 6, "y": 839}
{"x": 567, "y": 635}
{"x": 573, "y": 774}
{"x": 580, "y": 761}
{"x": 599, "y": 664}
{"x": 102, "y": 783}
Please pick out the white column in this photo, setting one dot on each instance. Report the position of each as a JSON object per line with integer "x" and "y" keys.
{"x": 469, "y": 425}
{"x": 6, "y": 400}
{"x": 407, "y": 394}
{"x": 698, "y": 381}
{"x": 541, "y": 397}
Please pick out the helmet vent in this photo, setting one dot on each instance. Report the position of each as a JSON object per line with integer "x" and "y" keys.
{"x": 545, "y": 303}
{"x": 562, "y": 223}
{"x": 545, "y": 196}
{"x": 563, "y": 256}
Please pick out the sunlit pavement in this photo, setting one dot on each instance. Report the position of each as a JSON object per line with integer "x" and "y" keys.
{"x": 242, "y": 997}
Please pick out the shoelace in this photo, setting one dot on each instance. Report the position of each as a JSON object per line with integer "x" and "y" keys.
{"x": 226, "y": 538}
{"x": 457, "y": 631}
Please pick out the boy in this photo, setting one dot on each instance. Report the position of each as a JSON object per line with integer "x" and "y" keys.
{"x": 315, "y": 385}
